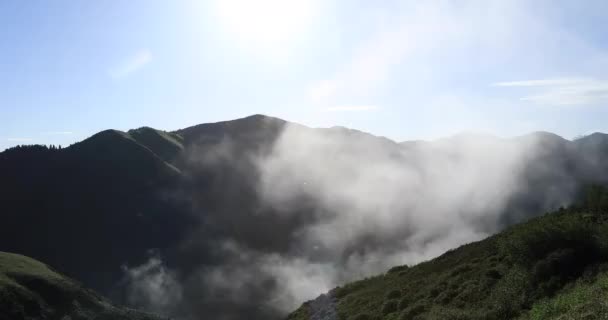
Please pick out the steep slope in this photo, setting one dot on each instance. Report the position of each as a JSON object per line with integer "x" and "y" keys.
{"x": 30, "y": 289}
{"x": 89, "y": 208}
{"x": 551, "y": 267}
{"x": 166, "y": 145}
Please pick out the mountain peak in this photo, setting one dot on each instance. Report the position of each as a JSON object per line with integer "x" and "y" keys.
{"x": 257, "y": 125}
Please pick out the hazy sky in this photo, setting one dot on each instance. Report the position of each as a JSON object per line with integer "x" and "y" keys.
{"x": 402, "y": 69}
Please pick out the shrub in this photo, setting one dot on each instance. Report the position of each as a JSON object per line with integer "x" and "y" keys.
{"x": 435, "y": 292}
{"x": 398, "y": 269}
{"x": 536, "y": 240}
{"x": 389, "y": 307}
{"x": 461, "y": 269}
{"x": 393, "y": 294}
{"x": 362, "y": 316}
{"x": 413, "y": 311}
{"x": 341, "y": 292}
{"x": 493, "y": 274}
{"x": 404, "y": 303}
{"x": 446, "y": 296}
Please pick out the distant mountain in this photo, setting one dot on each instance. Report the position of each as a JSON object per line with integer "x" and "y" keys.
{"x": 206, "y": 198}
{"x": 30, "y": 289}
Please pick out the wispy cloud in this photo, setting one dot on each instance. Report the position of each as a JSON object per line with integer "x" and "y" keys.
{"x": 19, "y": 139}
{"x": 562, "y": 91}
{"x": 131, "y": 64}
{"x": 403, "y": 44}
{"x": 541, "y": 83}
{"x": 57, "y": 133}
{"x": 352, "y": 108}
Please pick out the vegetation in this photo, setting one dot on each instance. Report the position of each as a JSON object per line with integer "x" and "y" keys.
{"x": 89, "y": 208}
{"x": 30, "y": 289}
{"x": 166, "y": 145}
{"x": 551, "y": 267}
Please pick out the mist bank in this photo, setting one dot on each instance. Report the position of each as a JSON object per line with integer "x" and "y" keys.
{"x": 287, "y": 212}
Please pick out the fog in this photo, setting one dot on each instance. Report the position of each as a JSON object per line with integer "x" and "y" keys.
{"x": 338, "y": 205}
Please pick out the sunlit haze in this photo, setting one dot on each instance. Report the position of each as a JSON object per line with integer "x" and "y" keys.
{"x": 402, "y": 69}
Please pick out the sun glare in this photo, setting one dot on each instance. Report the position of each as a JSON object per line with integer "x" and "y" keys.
{"x": 265, "y": 24}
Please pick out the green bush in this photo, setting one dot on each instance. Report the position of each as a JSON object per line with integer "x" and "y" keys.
{"x": 393, "y": 294}
{"x": 493, "y": 274}
{"x": 413, "y": 311}
{"x": 461, "y": 269}
{"x": 398, "y": 269}
{"x": 535, "y": 240}
{"x": 363, "y": 316}
{"x": 389, "y": 307}
{"x": 404, "y": 303}
{"x": 446, "y": 296}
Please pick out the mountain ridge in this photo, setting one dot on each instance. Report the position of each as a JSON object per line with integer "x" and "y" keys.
{"x": 260, "y": 120}
{"x": 192, "y": 199}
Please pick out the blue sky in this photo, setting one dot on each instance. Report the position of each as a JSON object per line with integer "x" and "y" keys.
{"x": 402, "y": 69}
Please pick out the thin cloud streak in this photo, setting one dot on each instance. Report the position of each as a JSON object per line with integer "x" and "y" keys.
{"x": 409, "y": 38}
{"x": 563, "y": 91}
{"x": 541, "y": 83}
{"x": 132, "y": 64}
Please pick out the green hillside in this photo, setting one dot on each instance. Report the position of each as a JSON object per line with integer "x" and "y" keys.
{"x": 164, "y": 144}
{"x": 30, "y": 289}
{"x": 551, "y": 267}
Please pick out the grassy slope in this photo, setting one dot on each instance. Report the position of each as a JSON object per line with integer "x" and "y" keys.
{"x": 146, "y": 146}
{"x": 551, "y": 267}
{"x": 30, "y": 289}
{"x": 164, "y": 144}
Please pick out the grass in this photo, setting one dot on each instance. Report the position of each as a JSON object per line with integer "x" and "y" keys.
{"x": 164, "y": 144}
{"x": 30, "y": 289}
{"x": 584, "y": 300}
{"x": 551, "y": 267}
{"x": 15, "y": 264}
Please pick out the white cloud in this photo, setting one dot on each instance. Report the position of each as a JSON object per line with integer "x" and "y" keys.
{"x": 352, "y": 108}
{"x": 562, "y": 91}
{"x": 152, "y": 285}
{"x": 132, "y": 64}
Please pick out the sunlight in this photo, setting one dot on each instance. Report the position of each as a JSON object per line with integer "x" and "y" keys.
{"x": 265, "y": 23}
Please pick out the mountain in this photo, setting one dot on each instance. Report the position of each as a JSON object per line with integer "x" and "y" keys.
{"x": 551, "y": 267}
{"x": 30, "y": 289}
{"x": 230, "y": 216}
{"x": 88, "y": 208}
